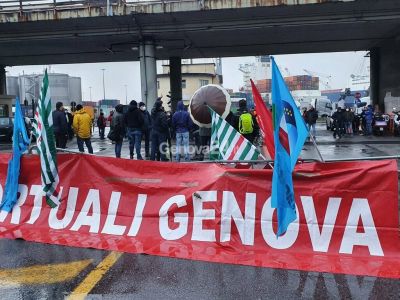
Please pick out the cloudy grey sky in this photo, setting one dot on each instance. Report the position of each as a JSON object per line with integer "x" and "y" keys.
{"x": 338, "y": 65}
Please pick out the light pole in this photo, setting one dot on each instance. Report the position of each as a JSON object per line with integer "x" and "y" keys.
{"x": 126, "y": 94}
{"x": 90, "y": 92}
{"x": 104, "y": 87}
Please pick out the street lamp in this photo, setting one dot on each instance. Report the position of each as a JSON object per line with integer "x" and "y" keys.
{"x": 104, "y": 87}
{"x": 126, "y": 94}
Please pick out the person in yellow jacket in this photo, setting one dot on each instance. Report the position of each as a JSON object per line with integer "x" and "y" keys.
{"x": 82, "y": 126}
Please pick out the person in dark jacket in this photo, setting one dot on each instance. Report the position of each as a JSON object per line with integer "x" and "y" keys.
{"x": 70, "y": 119}
{"x": 117, "y": 129}
{"x": 348, "y": 120}
{"x": 338, "y": 123}
{"x": 197, "y": 141}
{"x": 134, "y": 123}
{"x": 159, "y": 132}
{"x": 182, "y": 123}
{"x": 146, "y": 128}
{"x": 60, "y": 126}
{"x": 101, "y": 124}
{"x": 303, "y": 114}
{"x": 311, "y": 116}
{"x": 205, "y": 140}
{"x": 369, "y": 117}
{"x": 232, "y": 120}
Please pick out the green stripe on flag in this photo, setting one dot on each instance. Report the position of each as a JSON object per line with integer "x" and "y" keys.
{"x": 43, "y": 130}
{"x": 224, "y": 139}
{"x": 224, "y": 131}
{"x": 245, "y": 151}
{"x": 273, "y": 116}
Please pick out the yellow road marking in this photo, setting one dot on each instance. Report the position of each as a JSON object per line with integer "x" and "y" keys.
{"x": 42, "y": 274}
{"x": 94, "y": 277}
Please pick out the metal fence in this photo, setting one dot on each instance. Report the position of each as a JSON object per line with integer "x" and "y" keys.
{"x": 264, "y": 161}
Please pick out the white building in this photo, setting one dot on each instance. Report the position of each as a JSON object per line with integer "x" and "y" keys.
{"x": 63, "y": 87}
{"x": 259, "y": 70}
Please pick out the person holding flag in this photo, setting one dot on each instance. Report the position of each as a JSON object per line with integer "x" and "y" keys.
{"x": 20, "y": 145}
{"x": 287, "y": 117}
{"x": 43, "y": 130}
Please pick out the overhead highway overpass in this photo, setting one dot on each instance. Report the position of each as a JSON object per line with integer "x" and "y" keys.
{"x": 52, "y": 32}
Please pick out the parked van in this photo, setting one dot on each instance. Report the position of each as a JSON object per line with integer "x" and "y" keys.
{"x": 323, "y": 106}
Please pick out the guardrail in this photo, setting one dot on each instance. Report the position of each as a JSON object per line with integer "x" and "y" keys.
{"x": 264, "y": 161}
{"x": 21, "y": 6}
{"x": 35, "y": 5}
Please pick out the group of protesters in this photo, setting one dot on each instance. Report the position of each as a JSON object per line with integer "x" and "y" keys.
{"x": 158, "y": 128}
{"x": 135, "y": 124}
{"x": 347, "y": 122}
{"x": 66, "y": 125}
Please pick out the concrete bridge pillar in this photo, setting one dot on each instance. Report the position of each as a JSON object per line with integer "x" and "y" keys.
{"x": 3, "y": 81}
{"x": 148, "y": 72}
{"x": 385, "y": 75}
{"x": 175, "y": 80}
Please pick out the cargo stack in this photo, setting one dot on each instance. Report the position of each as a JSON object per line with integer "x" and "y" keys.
{"x": 295, "y": 83}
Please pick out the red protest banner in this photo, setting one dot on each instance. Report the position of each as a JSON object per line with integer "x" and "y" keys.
{"x": 347, "y": 222}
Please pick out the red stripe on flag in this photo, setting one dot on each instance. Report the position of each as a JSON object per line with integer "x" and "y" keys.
{"x": 284, "y": 139}
{"x": 264, "y": 120}
{"x": 236, "y": 147}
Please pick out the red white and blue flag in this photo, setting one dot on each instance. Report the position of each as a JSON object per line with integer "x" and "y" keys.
{"x": 287, "y": 117}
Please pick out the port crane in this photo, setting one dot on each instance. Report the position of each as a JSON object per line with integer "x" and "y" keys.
{"x": 326, "y": 78}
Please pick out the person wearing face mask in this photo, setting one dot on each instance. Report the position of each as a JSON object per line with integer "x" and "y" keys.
{"x": 146, "y": 131}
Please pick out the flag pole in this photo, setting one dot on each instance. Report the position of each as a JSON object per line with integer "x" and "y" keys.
{"x": 316, "y": 147}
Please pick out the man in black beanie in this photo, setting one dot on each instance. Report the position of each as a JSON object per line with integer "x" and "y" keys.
{"x": 60, "y": 126}
{"x": 134, "y": 123}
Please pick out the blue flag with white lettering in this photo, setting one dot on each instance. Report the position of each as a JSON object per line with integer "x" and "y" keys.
{"x": 286, "y": 116}
{"x": 20, "y": 145}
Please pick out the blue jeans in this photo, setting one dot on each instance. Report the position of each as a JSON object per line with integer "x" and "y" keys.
{"x": 135, "y": 141}
{"x": 182, "y": 139}
{"x": 369, "y": 127}
{"x": 158, "y": 145}
{"x": 118, "y": 148}
{"x": 87, "y": 142}
{"x": 311, "y": 127}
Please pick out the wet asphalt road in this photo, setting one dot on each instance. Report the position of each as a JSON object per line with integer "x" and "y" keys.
{"x": 151, "y": 277}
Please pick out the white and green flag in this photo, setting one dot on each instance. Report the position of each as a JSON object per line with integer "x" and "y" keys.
{"x": 43, "y": 130}
{"x": 227, "y": 143}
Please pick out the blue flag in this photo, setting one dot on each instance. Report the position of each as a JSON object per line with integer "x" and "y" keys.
{"x": 20, "y": 145}
{"x": 286, "y": 116}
